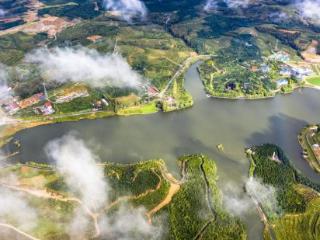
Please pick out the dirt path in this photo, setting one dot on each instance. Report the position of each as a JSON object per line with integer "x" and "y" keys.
{"x": 43, "y": 193}
{"x": 202, "y": 230}
{"x": 133, "y": 197}
{"x": 209, "y": 203}
{"x": 11, "y": 227}
{"x": 208, "y": 191}
{"x": 174, "y": 188}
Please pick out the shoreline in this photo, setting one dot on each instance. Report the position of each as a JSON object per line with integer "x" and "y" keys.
{"x": 307, "y": 151}
{"x": 12, "y": 129}
{"x": 276, "y": 93}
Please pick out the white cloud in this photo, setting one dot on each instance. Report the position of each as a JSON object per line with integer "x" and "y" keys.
{"x": 127, "y": 8}
{"x": 264, "y": 194}
{"x": 128, "y": 224}
{"x": 213, "y": 4}
{"x": 13, "y": 206}
{"x": 309, "y": 9}
{"x": 237, "y": 203}
{"x": 79, "y": 225}
{"x": 239, "y": 3}
{"x": 4, "y": 89}
{"x": 278, "y": 17}
{"x": 84, "y": 65}
{"x": 77, "y": 164}
{"x": 5, "y": 92}
{"x": 2, "y": 12}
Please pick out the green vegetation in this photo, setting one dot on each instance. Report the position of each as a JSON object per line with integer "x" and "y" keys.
{"x": 142, "y": 183}
{"x": 309, "y": 139}
{"x": 140, "y": 109}
{"x": 149, "y": 49}
{"x": 179, "y": 97}
{"x": 296, "y": 195}
{"x": 13, "y": 47}
{"x": 79, "y": 33}
{"x": 314, "y": 80}
{"x": 198, "y": 205}
{"x": 238, "y": 45}
{"x": 243, "y": 68}
{"x": 301, "y": 226}
{"x": 82, "y": 9}
{"x": 195, "y": 208}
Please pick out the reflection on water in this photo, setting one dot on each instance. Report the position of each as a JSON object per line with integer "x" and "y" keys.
{"x": 236, "y": 124}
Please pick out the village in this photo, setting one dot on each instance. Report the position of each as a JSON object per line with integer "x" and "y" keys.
{"x": 282, "y": 69}
{"x": 63, "y": 100}
{"x": 288, "y": 70}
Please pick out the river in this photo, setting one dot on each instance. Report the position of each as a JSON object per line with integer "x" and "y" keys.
{"x": 234, "y": 123}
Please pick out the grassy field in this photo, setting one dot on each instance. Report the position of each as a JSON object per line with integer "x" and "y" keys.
{"x": 314, "y": 80}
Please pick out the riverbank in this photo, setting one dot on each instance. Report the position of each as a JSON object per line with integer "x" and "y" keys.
{"x": 258, "y": 97}
{"x": 11, "y": 129}
{"x": 307, "y": 140}
{"x": 20, "y": 124}
{"x": 183, "y": 100}
{"x": 274, "y": 94}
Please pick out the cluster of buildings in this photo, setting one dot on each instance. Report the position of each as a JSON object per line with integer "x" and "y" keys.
{"x": 100, "y": 104}
{"x": 150, "y": 90}
{"x": 12, "y": 105}
{"x": 295, "y": 72}
{"x": 287, "y": 71}
{"x": 36, "y": 98}
{"x": 45, "y": 109}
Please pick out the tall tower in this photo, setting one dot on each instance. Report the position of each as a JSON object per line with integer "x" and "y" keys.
{"x": 45, "y": 91}
{"x": 277, "y": 43}
{"x": 115, "y": 49}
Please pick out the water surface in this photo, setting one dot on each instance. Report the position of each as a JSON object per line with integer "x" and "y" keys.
{"x": 234, "y": 123}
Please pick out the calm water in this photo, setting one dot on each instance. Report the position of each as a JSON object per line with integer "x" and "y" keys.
{"x": 235, "y": 124}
